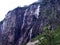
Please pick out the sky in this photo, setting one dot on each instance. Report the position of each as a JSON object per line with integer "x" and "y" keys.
{"x": 7, "y": 5}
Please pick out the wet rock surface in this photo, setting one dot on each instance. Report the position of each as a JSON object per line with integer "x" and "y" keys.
{"x": 24, "y": 23}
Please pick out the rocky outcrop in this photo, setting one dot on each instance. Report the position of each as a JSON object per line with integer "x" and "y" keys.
{"x": 24, "y": 23}
{"x": 32, "y": 43}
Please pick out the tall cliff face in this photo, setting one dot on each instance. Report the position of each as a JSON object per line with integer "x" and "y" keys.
{"x": 24, "y": 23}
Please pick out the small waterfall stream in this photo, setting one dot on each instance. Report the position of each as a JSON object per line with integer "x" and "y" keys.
{"x": 30, "y": 34}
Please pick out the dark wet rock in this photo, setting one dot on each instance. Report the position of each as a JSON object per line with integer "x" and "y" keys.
{"x": 24, "y": 23}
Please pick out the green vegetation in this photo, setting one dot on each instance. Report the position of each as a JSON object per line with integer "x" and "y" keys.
{"x": 49, "y": 37}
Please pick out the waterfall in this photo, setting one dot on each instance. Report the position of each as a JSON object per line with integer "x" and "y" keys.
{"x": 37, "y": 11}
{"x": 30, "y": 34}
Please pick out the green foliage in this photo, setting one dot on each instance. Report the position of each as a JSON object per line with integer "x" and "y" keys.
{"x": 49, "y": 37}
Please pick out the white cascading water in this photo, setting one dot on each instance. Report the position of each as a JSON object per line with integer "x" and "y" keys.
{"x": 37, "y": 14}
{"x": 30, "y": 34}
{"x": 37, "y": 11}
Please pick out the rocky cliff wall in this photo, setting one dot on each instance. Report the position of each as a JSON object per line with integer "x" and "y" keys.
{"x": 24, "y": 23}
